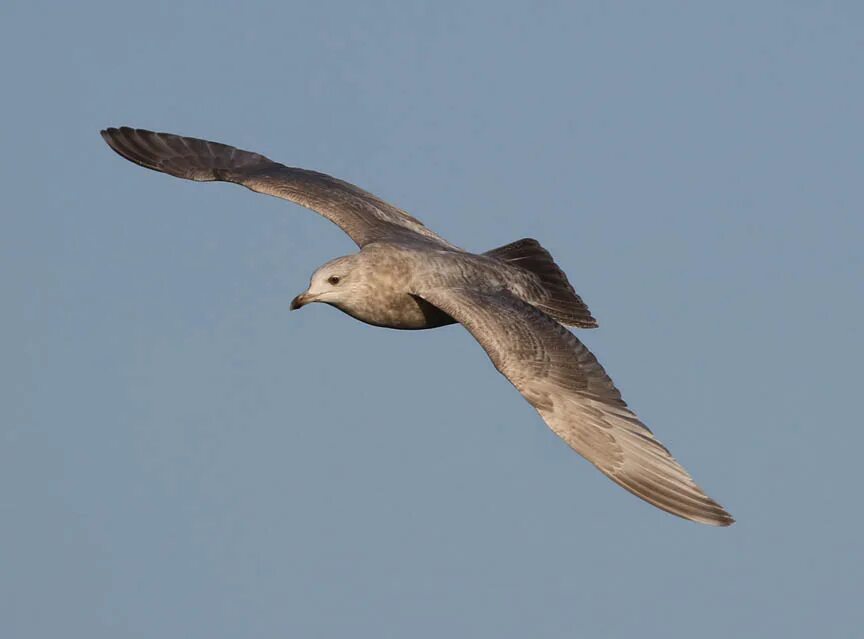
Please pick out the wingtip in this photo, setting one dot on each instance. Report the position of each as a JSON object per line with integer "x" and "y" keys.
{"x": 109, "y": 136}
{"x": 728, "y": 520}
{"x": 720, "y": 522}
{"x": 111, "y": 133}
{"x": 719, "y": 517}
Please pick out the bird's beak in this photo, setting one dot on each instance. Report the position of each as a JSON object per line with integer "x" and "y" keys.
{"x": 300, "y": 301}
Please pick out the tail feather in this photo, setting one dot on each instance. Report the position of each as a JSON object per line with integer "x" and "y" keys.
{"x": 560, "y": 299}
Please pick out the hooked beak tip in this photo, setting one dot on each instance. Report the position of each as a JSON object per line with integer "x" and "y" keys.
{"x": 299, "y": 301}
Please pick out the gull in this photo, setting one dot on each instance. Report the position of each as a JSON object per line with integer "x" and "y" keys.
{"x": 514, "y": 300}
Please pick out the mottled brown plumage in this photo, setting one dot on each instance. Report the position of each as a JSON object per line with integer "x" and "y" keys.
{"x": 514, "y": 300}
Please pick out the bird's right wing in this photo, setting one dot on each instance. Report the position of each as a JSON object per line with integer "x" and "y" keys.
{"x": 562, "y": 379}
{"x": 364, "y": 217}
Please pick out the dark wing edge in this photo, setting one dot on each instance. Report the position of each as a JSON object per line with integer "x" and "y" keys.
{"x": 363, "y": 216}
{"x": 188, "y": 158}
{"x": 565, "y": 383}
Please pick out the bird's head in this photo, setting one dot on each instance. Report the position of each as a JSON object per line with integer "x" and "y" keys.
{"x": 335, "y": 283}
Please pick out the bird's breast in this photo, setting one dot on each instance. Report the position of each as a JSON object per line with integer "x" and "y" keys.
{"x": 397, "y": 310}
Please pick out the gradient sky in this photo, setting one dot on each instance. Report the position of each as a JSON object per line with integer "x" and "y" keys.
{"x": 183, "y": 457}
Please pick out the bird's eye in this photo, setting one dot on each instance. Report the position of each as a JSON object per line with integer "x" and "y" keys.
{"x": 333, "y": 279}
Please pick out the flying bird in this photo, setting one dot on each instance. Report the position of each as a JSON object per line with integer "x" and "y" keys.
{"x": 514, "y": 300}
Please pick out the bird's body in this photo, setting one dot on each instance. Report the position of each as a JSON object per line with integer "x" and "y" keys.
{"x": 384, "y": 277}
{"x": 513, "y": 299}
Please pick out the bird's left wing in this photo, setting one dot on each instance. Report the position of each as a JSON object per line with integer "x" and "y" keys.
{"x": 364, "y": 217}
{"x": 562, "y": 380}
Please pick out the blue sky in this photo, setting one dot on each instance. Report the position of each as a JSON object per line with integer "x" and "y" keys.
{"x": 181, "y": 457}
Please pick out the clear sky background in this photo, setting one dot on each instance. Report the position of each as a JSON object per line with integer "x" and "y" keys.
{"x": 183, "y": 457}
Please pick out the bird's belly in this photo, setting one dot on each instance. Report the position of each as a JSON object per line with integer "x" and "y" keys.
{"x": 402, "y": 311}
